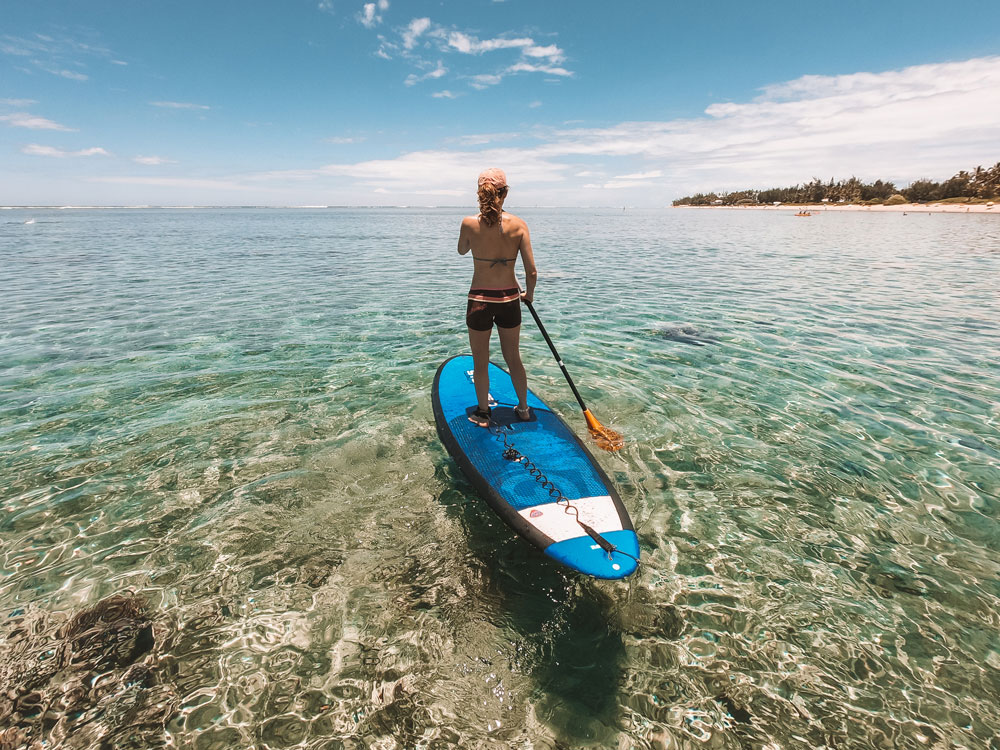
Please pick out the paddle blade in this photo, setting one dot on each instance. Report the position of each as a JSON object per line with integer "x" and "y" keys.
{"x": 606, "y": 438}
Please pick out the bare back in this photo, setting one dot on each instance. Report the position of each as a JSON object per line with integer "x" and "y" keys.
{"x": 495, "y": 250}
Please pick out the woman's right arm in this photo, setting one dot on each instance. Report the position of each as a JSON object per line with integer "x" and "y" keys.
{"x": 465, "y": 237}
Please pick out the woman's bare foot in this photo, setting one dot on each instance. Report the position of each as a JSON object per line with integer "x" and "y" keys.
{"x": 480, "y": 418}
{"x": 523, "y": 413}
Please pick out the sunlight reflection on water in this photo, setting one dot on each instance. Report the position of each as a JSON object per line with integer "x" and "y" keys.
{"x": 227, "y": 412}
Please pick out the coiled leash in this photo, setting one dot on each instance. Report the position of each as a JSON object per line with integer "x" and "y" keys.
{"x": 511, "y": 453}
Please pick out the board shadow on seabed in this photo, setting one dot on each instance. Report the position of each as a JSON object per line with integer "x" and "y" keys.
{"x": 565, "y": 637}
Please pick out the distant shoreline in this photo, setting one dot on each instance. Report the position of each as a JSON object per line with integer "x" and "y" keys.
{"x": 914, "y": 208}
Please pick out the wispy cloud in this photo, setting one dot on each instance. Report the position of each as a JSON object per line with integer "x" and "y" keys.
{"x": 483, "y": 80}
{"x": 179, "y": 105}
{"x": 177, "y": 182}
{"x": 922, "y": 120}
{"x": 444, "y": 95}
{"x": 433, "y": 169}
{"x": 326, "y": 6}
{"x": 926, "y": 120}
{"x": 437, "y": 72}
{"x": 470, "y": 45}
{"x": 32, "y": 122}
{"x": 342, "y": 139}
{"x": 481, "y": 139}
{"x": 72, "y": 75}
{"x": 58, "y": 54}
{"x": 524, "y": 67}
{"x": 152, "y": 161}
{"x": 18, "y": 102}
{"x": 35, "y": 149}
{"x": 640, "y": 175}
{"x": 507, "y": 54}
{"x": 371, "y": 13}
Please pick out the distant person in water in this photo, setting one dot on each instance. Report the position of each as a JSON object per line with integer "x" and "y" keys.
{"x": 496, "y": 239}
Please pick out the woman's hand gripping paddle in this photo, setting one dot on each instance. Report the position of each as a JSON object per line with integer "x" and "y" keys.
{"x": 605, "y": 437}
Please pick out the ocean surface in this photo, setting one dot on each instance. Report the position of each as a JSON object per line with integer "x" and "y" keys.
{"x": 222, "y": 420}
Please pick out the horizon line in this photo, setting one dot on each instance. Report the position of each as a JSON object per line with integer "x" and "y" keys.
{"x": 279, "y": 206}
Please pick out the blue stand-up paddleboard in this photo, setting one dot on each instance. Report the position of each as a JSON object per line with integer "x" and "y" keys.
{"x": 553, "y": 523}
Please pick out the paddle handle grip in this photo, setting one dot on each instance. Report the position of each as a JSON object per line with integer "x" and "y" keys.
{"x": 545, "y": 335}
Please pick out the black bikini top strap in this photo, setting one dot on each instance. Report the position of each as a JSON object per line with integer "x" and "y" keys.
{"x": 494, "y": 261}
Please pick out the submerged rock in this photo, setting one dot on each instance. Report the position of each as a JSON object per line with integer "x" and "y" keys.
{"x": 684, "y": 334}
{"x": 87, "y": 682}
{"x": 738, "y": 713}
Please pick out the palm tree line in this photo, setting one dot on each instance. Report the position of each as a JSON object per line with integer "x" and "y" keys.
{"x": 980, "y": 183}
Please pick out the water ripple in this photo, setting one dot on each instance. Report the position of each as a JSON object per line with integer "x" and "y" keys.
{"x": 223, "y": 416}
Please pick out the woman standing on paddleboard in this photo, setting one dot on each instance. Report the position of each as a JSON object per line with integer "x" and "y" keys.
{"x": 496, "y": 239}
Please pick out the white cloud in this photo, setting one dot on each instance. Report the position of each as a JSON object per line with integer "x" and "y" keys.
{"x": 18, "y": 102}
{"x": 422, "y": 34}
{"x": 470, "y": 45}
{"x": 179, "y": 105}
{"x": 481, "y": 139}
{"x": 433, "y": 169}
{"x": 326, "y": 6}
{"x": 35, "y": 149}
{"x": 484, "y": 80}
{"x": 342, "y": 139}
{"x": 25, "y": 120}
{"x": 927, "y": 120}
{"x": 922, "y": 121}
{"x": 640, "y": 175}
{"x": 523, "y": 67}
{"x": 152, "y": 161}
{"x": 551, "y": 51}
{"x": 413, "y": 32}
{"x": 438, "y": 72}
{"x": 444, "y": 95}
{"x": 371, "y": 13}
{"x": 620, "y": 184}
{"x": 71, "y": 74}
{"x": 176, "y": 182}
{"x": 535, "y": 104}
{"x": 449, "y": 193}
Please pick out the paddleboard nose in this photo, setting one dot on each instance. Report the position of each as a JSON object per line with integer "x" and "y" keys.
{"x": 583, "y": 554}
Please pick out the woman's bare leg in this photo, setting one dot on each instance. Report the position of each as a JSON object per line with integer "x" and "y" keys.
{"x": 479, "y": 342}
{"x": 510, "y": 339}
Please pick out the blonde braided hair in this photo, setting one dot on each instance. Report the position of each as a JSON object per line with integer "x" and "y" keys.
{"x": 492, "y": 190}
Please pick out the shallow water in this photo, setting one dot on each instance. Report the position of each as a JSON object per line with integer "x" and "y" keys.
{"x": 228, "y": 413}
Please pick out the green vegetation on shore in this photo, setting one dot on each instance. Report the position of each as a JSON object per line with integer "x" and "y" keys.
{"x": 976, "y": 186}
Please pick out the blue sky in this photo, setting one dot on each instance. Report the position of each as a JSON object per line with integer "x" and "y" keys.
{"x": 343, "y": 102}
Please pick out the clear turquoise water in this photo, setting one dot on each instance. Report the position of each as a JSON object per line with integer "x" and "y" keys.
{"x": 228, "y": 412}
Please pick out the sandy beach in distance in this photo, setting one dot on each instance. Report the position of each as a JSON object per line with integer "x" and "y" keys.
{"x": 926, "y": 208}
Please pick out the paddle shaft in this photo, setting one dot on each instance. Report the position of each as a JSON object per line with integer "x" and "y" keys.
{"x": 552, "y": 346}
